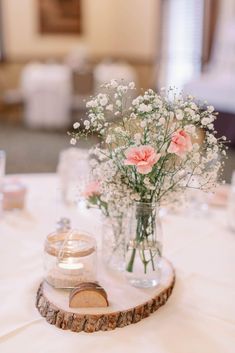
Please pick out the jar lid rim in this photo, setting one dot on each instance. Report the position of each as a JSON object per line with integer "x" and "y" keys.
{"x": 51, "y": 244}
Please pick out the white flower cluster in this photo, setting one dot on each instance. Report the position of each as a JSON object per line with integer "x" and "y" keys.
{"x": 178, "y": 130}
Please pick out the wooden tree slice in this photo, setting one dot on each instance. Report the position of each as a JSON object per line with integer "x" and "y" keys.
{"x": 128, "y": 304}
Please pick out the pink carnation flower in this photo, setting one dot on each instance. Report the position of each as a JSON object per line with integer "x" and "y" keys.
{"x": 180, "y": 143}
{"x": 92, "y": 189}
{"x": 143, "y": 157}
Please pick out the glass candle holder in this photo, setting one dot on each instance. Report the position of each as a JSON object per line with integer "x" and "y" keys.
{"x": 73, "y": 170}
{"x": 69, "y": 258}
{"x": 14, "y": 193}
{"x": 2, "y": 165}
{"x": 2, "y": 175}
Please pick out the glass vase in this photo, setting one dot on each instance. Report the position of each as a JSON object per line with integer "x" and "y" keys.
{"x": 113, "y": 242}
{"x": 144, "y": 245}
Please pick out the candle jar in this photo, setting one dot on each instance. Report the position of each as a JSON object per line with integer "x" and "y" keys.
{"x": 69, "y": 258}
{"x": 2, "y": 164}
{"x": 2, "y": 175}
{"x": 14, "y": 194}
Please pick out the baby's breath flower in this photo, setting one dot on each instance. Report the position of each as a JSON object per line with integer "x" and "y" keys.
{"x": 113, "y": 83}
{"x": 92, "y": 104}
{"x": 73, "y": 141}
{"x": 76, "y": 125}
{"x": 210, "y": 108}
{"x": 133, "y": 115}
{"x": 190, "y": 111}
{"x": 144, "y": 108}
{"x": 162, "y": 121}
{"x": 118, "y": 103}
{"x": 179, "y": 114}
{"x": 122, "y": 89}
{"x": 193, "y": 106}
{"x": 104, "y": 100}
{"x": 131, "y": 85}
{"x": 86, "y": 124}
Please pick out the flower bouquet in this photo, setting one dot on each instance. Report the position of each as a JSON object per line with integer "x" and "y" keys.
{"x": 150, "y": 154}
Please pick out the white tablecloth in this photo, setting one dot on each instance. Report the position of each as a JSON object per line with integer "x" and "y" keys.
{"x": 198, "y": 318}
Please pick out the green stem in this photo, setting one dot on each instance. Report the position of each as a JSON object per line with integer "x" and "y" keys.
{"x": 152, "y": 262}
{"x": 145, "y": 267}
{"x": 131, "y": 262}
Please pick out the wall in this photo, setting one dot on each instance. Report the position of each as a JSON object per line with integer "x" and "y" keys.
{"x": 126, "y": 28}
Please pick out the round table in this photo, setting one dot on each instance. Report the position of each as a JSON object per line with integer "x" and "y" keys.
{"x": 199, "y": 316}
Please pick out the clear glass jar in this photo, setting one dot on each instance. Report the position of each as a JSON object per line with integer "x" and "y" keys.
{"x": 70, "y": 258}
{"x": 144, "y": 245}
{"x": 113, "y": 242}
{"x": 14, "y": 194}
{"x": 2, "y": 165}
{"x": 73, "y": 170}
{"x": 2, "y": 175}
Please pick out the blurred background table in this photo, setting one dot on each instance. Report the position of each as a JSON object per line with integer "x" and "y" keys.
{"x": 199, "y": 316}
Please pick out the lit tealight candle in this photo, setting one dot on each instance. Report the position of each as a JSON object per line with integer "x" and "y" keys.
{"x": 70, "y": 265}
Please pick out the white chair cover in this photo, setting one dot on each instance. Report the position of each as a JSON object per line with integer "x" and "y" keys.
{"x": 46, "y": 90}
{"x": 77, "y": 58}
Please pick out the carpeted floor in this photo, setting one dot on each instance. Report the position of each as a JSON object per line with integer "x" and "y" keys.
{"x": 32, "y": 151}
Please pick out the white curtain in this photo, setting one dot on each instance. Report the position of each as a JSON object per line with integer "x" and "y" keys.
{"x": 223, "y": 54}
{"x": 182, "y": 37}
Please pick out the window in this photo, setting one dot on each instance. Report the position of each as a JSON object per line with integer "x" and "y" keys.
{"x": 182, "y": 41}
